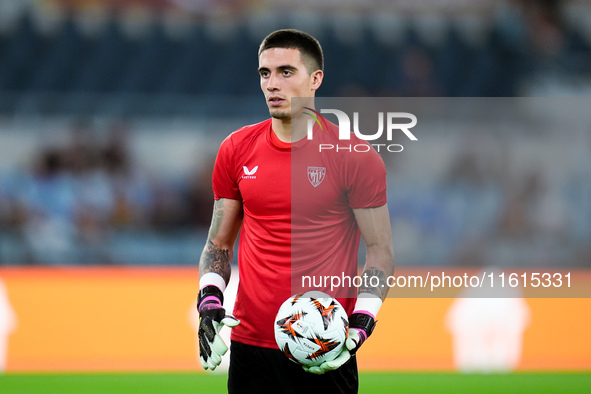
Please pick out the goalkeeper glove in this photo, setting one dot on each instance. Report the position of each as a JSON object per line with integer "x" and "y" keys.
{"x": 361, "y": 325}
{"x": 212, "y": 317}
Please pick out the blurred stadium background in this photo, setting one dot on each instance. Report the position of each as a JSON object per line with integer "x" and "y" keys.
{"x": 111, "y": 113}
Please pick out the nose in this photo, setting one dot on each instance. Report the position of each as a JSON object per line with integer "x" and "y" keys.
{"x": 272, "y": 83}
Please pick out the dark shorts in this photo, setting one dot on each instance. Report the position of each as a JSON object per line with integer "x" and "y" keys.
{"x": 260, "y": 370}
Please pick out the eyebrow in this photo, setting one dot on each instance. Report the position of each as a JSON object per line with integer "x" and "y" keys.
{"x": 280, "y": 68}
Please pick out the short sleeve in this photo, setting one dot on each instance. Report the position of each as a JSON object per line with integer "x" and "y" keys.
{"x": 224, "y": 179}
{"x": 366, "y": 180}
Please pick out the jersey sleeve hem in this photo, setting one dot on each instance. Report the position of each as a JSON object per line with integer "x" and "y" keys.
{"x": 377, "y": 204}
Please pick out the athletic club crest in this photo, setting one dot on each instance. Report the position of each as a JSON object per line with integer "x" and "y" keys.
{"x": 316, "y": 175}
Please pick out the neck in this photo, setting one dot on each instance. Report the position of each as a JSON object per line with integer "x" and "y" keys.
{"x": 291, "y": 129}
{"x": 282, "y": 129}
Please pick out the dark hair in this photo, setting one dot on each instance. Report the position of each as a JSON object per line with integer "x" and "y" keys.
{"x": 309, "y": 47}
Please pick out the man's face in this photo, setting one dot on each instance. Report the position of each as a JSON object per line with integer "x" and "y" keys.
{"x": 283, "y": 76}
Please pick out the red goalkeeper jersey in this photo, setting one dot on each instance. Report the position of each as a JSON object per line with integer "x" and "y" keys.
{"x": 298, "y": 217}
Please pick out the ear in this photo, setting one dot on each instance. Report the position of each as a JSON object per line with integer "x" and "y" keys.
{"x": 316, "y": 79}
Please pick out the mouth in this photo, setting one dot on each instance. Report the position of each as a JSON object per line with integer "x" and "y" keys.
{"x": 275, "y": 101}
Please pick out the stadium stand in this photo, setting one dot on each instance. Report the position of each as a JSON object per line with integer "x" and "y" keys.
{"x": 67, "y": 60}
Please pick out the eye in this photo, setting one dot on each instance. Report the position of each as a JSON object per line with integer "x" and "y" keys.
{"x": 287, "y": 73}
{"x": 264, "y": 74}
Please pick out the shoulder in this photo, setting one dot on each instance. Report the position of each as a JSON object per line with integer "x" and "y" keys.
{"x": 247, "y": 134}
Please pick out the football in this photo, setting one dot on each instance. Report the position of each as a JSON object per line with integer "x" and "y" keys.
{"x": 311, "y": 328}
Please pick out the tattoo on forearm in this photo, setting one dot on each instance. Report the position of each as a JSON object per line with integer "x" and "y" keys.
{"x": 216, "y": 219}
{"x": 369, "y": 282}
{"x": 216, "y": 260}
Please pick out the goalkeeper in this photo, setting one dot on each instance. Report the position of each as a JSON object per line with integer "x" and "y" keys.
{"x": 263, "y": 192}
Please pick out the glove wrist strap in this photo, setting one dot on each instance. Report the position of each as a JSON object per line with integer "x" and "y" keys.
{"x": 210, "y": 291}
{"x": 362, "y": 321}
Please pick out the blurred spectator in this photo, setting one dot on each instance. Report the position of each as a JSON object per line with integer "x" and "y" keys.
{"x": 132, "y": 193}
{"x": 201, "y": 195}
{"x": 418, "y": 77}
{"x": 48, "y": 197}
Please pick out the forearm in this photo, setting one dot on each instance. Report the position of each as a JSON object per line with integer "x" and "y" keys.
{"x": 218, "y": 252}
{"x": 217, "y": 259}
{"x": 374, "y": 224}
{"x": 379, "y": 265}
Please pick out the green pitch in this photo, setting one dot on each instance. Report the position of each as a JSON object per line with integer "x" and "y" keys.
{"x": 370, "y": 383}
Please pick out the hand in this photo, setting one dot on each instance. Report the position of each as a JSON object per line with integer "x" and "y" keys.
{"x": 212, "y": 317}
{"x": 361, "y": 326}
